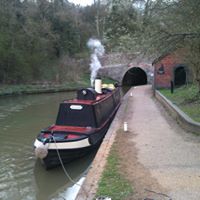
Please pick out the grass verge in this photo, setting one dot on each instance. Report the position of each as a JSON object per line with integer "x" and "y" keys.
{"x": 112, "y": 184}
{"x": 187, "y": 98}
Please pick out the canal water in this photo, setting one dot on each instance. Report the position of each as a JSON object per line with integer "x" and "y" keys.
{"x": 22, "y": 177}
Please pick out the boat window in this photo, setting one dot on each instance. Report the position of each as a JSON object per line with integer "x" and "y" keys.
{"x": 75, "y": 115}
{"x": 76, "y": 107}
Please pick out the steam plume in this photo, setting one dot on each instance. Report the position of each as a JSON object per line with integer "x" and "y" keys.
{"x": 97, "y": 50}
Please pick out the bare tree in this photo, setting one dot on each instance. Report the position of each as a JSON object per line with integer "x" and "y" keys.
{"x": 193, "y": 58}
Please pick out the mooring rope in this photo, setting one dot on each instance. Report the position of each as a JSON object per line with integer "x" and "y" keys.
{"x": 65, "y": 171}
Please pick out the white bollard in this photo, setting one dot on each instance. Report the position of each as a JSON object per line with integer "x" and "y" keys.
{"x": 131, "y": 94}
{"x": 125, "y": 126}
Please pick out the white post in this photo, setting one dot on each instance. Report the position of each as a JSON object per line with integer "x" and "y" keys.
{"x": 125, "y": 126}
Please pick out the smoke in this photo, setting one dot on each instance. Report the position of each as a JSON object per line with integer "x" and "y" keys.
{"x": 97, "y": 50}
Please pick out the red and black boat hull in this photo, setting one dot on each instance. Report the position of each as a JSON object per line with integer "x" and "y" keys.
{"x": 80, "y": 128}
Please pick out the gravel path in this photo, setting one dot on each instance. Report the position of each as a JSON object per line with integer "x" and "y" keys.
{"x": 167, "y": 157}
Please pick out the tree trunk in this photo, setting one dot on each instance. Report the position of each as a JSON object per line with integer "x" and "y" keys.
{"x": 198, "y": 84}
{"x": 97, "y": 3}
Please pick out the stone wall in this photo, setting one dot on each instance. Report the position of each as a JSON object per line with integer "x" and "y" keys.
{"x": 117, "y": 58}
{"x": 116, "y": 65}
{"x": 115, "y": 72}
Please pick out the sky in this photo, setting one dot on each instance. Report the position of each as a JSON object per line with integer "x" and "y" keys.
{"x": 82, "y": 2}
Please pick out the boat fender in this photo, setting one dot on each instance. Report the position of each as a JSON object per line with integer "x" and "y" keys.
{"x": 41, "y": 151}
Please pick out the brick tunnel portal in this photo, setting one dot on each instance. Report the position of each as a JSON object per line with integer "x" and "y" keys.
{"x": 134, "y": 76}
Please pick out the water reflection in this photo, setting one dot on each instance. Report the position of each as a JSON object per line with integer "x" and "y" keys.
{"x": 52, "y": 188}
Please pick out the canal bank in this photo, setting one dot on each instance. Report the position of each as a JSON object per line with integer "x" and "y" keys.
{"x": 158, "y": 157}
{"x": 49, "y": 87}
{"x": 38, "y": 89}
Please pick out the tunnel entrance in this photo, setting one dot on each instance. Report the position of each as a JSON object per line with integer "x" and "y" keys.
{"x": 135, "y": 76}
{"x": 179, "y": 76}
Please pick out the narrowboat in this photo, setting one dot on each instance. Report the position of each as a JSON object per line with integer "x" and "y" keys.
{"x": 80, "y": 126}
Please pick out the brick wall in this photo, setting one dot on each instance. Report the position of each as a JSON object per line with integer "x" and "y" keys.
{"x": 164, "y": 69}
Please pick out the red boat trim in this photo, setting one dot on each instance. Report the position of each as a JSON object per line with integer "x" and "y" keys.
{"x": 99, "y": 98}
{"x": 71, "y": 129}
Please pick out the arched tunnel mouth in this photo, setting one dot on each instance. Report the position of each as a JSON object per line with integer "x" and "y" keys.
{"x": 134, "y": 77}
{"x": 179, "y": 76}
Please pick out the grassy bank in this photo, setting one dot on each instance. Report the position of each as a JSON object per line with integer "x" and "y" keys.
{"x": 112, "y": 184}
{"x": 187, "y": 99}
{"x": 45, "y": 87}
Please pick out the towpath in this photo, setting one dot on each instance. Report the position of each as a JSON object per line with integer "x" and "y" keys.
{"x": 158, "y": 157}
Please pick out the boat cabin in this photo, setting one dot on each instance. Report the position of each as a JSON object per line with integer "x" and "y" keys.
{"x": 93, "y": 112}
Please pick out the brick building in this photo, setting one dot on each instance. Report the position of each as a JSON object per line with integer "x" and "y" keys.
{"x": 171, "y": 68}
